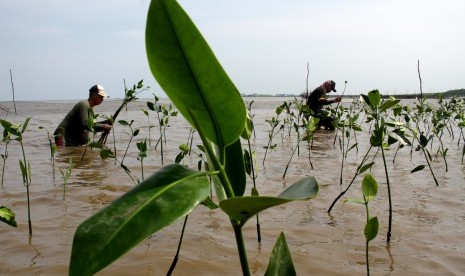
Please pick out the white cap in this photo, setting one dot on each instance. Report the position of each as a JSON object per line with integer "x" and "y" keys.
{"x": 99, "y": 90}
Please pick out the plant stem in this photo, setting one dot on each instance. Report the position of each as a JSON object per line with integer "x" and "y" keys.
{"x": 241, "y": 248}
{"x": 351, "y": 182}
{"x": 388, "y": 239}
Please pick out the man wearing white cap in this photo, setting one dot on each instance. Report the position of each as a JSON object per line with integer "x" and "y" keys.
{"x": 73, "y": 130}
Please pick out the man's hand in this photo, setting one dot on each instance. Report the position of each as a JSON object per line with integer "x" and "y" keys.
{"x": 338, "y": 99}
{"x": 106, "y": 128}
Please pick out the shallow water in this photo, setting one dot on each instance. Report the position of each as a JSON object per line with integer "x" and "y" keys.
{"x": 428, "y": 233}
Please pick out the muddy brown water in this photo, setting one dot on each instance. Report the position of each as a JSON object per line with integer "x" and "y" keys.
{"x": 428, "y": 233}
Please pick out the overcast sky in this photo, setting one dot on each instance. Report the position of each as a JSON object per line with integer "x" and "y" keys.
{"x": 58, "y": 49}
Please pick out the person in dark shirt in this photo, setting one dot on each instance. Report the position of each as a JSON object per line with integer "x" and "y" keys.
{"x": 317, "y": 99}
{"x": 73, "y": 129}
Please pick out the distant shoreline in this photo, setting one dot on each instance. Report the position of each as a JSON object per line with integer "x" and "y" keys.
{"x": 448, "y": 94}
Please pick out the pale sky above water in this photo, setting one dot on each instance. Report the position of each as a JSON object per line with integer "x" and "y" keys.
{"x": 58, "y": 49}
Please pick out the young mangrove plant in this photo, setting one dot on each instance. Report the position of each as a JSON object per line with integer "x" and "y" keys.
{"x": 250, "y": 163}
{"x": 24, "y": 164}
{"x": 142, "y": 147}
{"x": 377, "y": 111}
{"x": 66, "y": 174}
{"x": 310, "y": 126}
{"x": 189, "y": 73}
{"x": 274, "y": 123}
{"x": 369, "y": 191}
{"x": 53, "y": 150}
{"x": 130, "y": 95}
{"x": 133, "y": 133}
{"x": 164, "y": 114}
{"x": 6, "y": 139}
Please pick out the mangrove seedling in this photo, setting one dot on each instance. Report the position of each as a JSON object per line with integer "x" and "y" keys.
{"x": 53, "y": 150}
{"x": 24, "y": 164}
{"x": 6, "y": 139}
{"x": 274, "y": 123}
{"x": 133, "y": 133}
{"x": 142, "y": 147}
{"x": 369, "y": 191}
{"x": 66, "y": 174}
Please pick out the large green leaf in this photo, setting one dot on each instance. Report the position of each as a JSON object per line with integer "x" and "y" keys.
{"x": 169, "y": 194}
{"x": 243, "y": 208}
{"x": 280, "y": 259}
{"x": 189, "y": 73}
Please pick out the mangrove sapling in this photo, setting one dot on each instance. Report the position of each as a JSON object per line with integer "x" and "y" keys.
{"x": 6, "y": 139}
{"x": 310, "y": 128}
{"x": 133, "y": 133}
{"x": 130, "y": 95}
{"x": 461, "y": 125}
{"x": 369, "y": 191}
{"x": 107, "y": 153}
{"x": 274, "y": 123}
{"x": 209, "y": 101}
{"x": 361, "y": 168}
{"x": 153, "y": 107}
{"x": 142, "y": 147}
{"x": 164, "y": 115}
{"x": 377, "y": 110}
{"x": 422, "y": 145}
{"x": 91, "y": 121}
{"x": 438, "y": 131}
{"x": 149, "y": 126}
{"x": 190, "y": 139}
{"x": 66, "y": 176}
{"x": 250, "y": 163}
{"x": 24, "y": 164}
{"x": 53, "y": 150}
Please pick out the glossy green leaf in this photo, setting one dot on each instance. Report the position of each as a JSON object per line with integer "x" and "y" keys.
{"x": 375, "y": 98}
{"x": 369, "y": 187}
{"x": 417, "y": 168}
{"x": 186, "y": 68}
{"x": 243, "y": 208}
{"x": 7, "y": 216}
{"x": 388, "y": 104}
{"x": 235, "y": 167}
{"x": 25, "y": 124}
{"x": 371, "y": 229}
{"x": 247, "y": 131}
{"x": 169, "y": 194}
{"x": 10, "y": 128}
{"x": 365, "y": 167}
{"x": 280, "y": 260}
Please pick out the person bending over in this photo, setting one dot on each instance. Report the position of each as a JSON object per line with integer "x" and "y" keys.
{"x": 317, "y": 99}
{"x": 73, "y": 130}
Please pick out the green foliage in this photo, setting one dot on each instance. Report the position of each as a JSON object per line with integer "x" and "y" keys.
{"x": 193, "y": 79}
{"x": 7, "y": 216}
{"x": 280, "y": 260}
{"x": 167, "y": 195}
{"x": 243, "y": 208}
{"x": 189, "y": 73}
